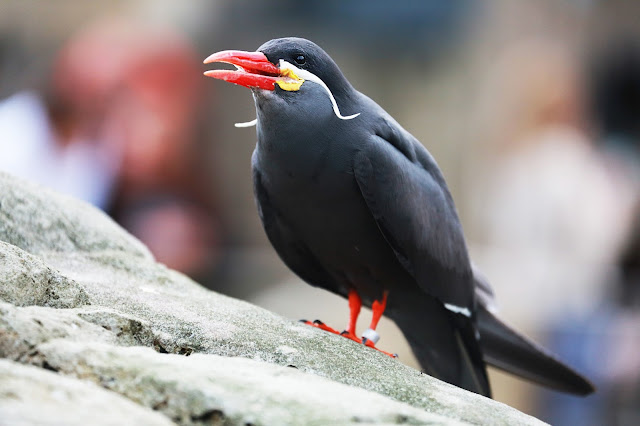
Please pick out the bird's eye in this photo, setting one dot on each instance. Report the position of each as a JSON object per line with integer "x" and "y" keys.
{"x": 300, "y": 59}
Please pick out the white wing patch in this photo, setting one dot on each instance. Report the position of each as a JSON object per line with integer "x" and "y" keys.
{"x": 458, "y": 309}
{"x": 312, "y": 77}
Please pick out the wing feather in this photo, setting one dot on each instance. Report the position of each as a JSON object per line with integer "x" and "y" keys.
{"x": 414, "y": 210}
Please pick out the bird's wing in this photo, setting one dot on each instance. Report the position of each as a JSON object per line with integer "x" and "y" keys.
{"x": 293, "y": 252}
{"x": 414, "y": 211}
{"x": 411, "y": 204}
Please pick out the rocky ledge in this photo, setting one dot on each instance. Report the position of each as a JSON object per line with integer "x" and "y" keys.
{"x": 94, "y": 331}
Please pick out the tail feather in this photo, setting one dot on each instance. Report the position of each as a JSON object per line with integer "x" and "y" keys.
{"x": 508, "y": 350}
{"x": 474, "y": 375}
{"x": 447, "y": 348}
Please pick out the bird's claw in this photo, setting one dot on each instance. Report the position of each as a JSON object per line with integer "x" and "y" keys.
{"x": 367, "y": 342}
{"x": 322, "y": 326}
{"x": 370, "y": 344}
{"x": 351, "y": 336}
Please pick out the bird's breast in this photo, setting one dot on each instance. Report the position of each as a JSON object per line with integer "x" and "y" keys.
{"x": 321, "y": 202}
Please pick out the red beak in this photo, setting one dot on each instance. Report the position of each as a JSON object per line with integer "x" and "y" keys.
{"x": 254, "y": 69}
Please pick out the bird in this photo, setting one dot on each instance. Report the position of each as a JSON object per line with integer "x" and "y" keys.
{"x": 354, "y": 204}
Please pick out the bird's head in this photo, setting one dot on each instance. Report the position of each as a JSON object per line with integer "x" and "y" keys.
{"x": 285, "y": 67}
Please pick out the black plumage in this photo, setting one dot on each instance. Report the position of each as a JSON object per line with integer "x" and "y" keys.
{"x": 357, "y": 203}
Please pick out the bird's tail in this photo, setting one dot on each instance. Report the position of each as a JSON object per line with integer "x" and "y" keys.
{"x": 508, "y": 350}
{"x": 475, "y": 372}
{"x": 447, "y": 348}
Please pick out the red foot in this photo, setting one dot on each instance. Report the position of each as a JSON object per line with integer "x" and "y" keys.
{"x": 322, "y": 326}
{"x": 355, "y": 303}
{"x": 370, "y": 344}
{"x": 351, "y": 336}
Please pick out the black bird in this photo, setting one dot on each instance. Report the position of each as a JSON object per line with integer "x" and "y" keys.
{"x": 354, "y": 204}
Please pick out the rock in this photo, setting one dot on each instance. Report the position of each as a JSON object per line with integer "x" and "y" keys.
{"x": 30, "y": 395}
{"x": 237, "y": 390}
{"x": 29, "y": 281}
{"x": 38, "y": 220}
{"x": 85, "y": 299}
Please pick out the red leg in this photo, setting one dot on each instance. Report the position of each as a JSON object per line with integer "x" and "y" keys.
{"x": 370, "y": 337}
{"x": 378, "y": 309}
{"x": 355, "y": 303}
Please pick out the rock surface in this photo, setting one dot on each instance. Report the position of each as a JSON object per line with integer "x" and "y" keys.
{"x": 81, "y": 297}
{"x": 30, "y": 395}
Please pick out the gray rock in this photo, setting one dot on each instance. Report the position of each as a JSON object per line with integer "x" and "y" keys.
{"x": 27, "y": 280}
{"x": 237, "y": 390}
{"x": 30, "y": 395}
{"x": 38, "y": 220}
{"x": 87, "y": 300}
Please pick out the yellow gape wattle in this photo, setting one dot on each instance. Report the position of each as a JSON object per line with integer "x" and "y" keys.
{"x": 292, "y": 83}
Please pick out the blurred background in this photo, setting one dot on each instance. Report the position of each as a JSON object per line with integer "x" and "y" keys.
{"x": 531, "y": 108}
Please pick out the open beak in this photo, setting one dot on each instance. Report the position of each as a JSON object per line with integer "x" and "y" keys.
{"x": 253, "y": 71}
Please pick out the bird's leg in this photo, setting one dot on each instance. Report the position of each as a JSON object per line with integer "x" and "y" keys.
{"x": 370, "y": 337}
{"x": 354, "y": 310}
{"x": 355, "y": 303}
